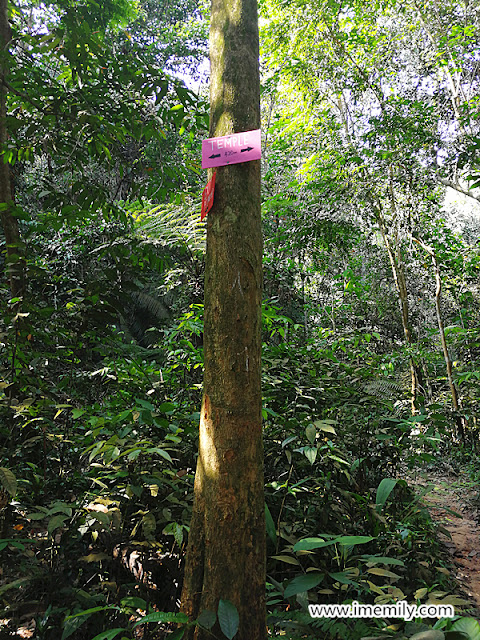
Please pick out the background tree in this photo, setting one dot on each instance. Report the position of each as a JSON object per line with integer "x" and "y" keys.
{"x": 14, "y": 259}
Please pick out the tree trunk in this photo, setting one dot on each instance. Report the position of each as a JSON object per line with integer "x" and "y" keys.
{"x": 226, "y": 549}
{"x": 398, "y": 272}
{"x": 15, "y": 264}
{"x": 459, "y": 419}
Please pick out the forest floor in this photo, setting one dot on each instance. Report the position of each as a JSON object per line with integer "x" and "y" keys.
{"x": 453, "y": 501}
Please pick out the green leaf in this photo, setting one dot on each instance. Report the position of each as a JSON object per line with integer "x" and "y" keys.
{"x": 76, "y": 413}
{"x": 149, "y": 526}
{"x": 324, "y": 425}
{"x": 342, "y": 576}
{"x": 38, "y": 515}
{"x": 270, "y": 525}
{"x": 376, "y": 571}
{"x": 207, "y": 619}
{"x": 101, "y": 517}
{"x": 311, "y": 433}
{"x": 145, "y": 404}
{"x": 383, "y": 560}
{"x": 8, "y": 481}
{"x": 167, "y": 407}
{"x": 287, "y": 559}
{"x": 88, "y": 612}
{"x": 55, "y": 522}
{"x": 161, "y": 452}
{"x": 71, "y": 625}
{"x": 228, "y": 618}
{"x": 353, "y": 540}
{"x": 311, "y": 543}
{"x": 310, "y": 453}
{"x": 95, "y": 557}
{"x": 136, "y": 603}
{"x": 307, "y": 544}
{"x": 178, "y": 533}
{"x": 108, "y": 635}
{"x": 302, "y": 583}
{"x": 337, "y": 459}
{"x": 469, "y": 626}
{"x": 12, "y": 585}
{"x": 16, "y": 544}
{"x": 163, "y": 616}
{"x": 451, "y": 599}
{"x": 385, "y": 488}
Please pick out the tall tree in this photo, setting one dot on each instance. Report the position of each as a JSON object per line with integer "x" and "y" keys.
{"x": 226, "y": 552}
{"x": 9, "y": 221}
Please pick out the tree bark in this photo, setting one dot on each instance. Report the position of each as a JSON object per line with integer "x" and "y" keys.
{"x": 226, "y": 549}
{"x": 15, "y": 263}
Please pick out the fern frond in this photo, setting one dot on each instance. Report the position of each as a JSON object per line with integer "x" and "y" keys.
{"x": 173, "y": 224}
{"x": 384, "y": 389}
{"x": 155, "y": 306}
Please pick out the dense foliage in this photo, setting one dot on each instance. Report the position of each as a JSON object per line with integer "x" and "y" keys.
{"x": 370, "y": 203}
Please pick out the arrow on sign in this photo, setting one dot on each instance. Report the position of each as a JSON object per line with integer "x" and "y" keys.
{"x": 246, "y": 149}
{"x": 217, "y": 155}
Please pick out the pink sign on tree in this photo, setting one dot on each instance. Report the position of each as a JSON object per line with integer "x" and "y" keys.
{"x": 238, "y": 147}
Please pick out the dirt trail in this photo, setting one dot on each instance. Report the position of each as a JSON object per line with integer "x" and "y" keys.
{"x": 450, "y": 495}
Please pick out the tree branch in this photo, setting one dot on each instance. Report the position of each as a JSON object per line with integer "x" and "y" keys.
{"x": 457, "y": 187}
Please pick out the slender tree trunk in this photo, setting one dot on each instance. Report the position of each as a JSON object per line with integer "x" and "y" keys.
{"x": 396, "y": 264}
{"x": 15, "y": 262}
{"x": 304, "y": 300}
{"x": 460, "y": 420}
{"x": 226, "y": 549}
